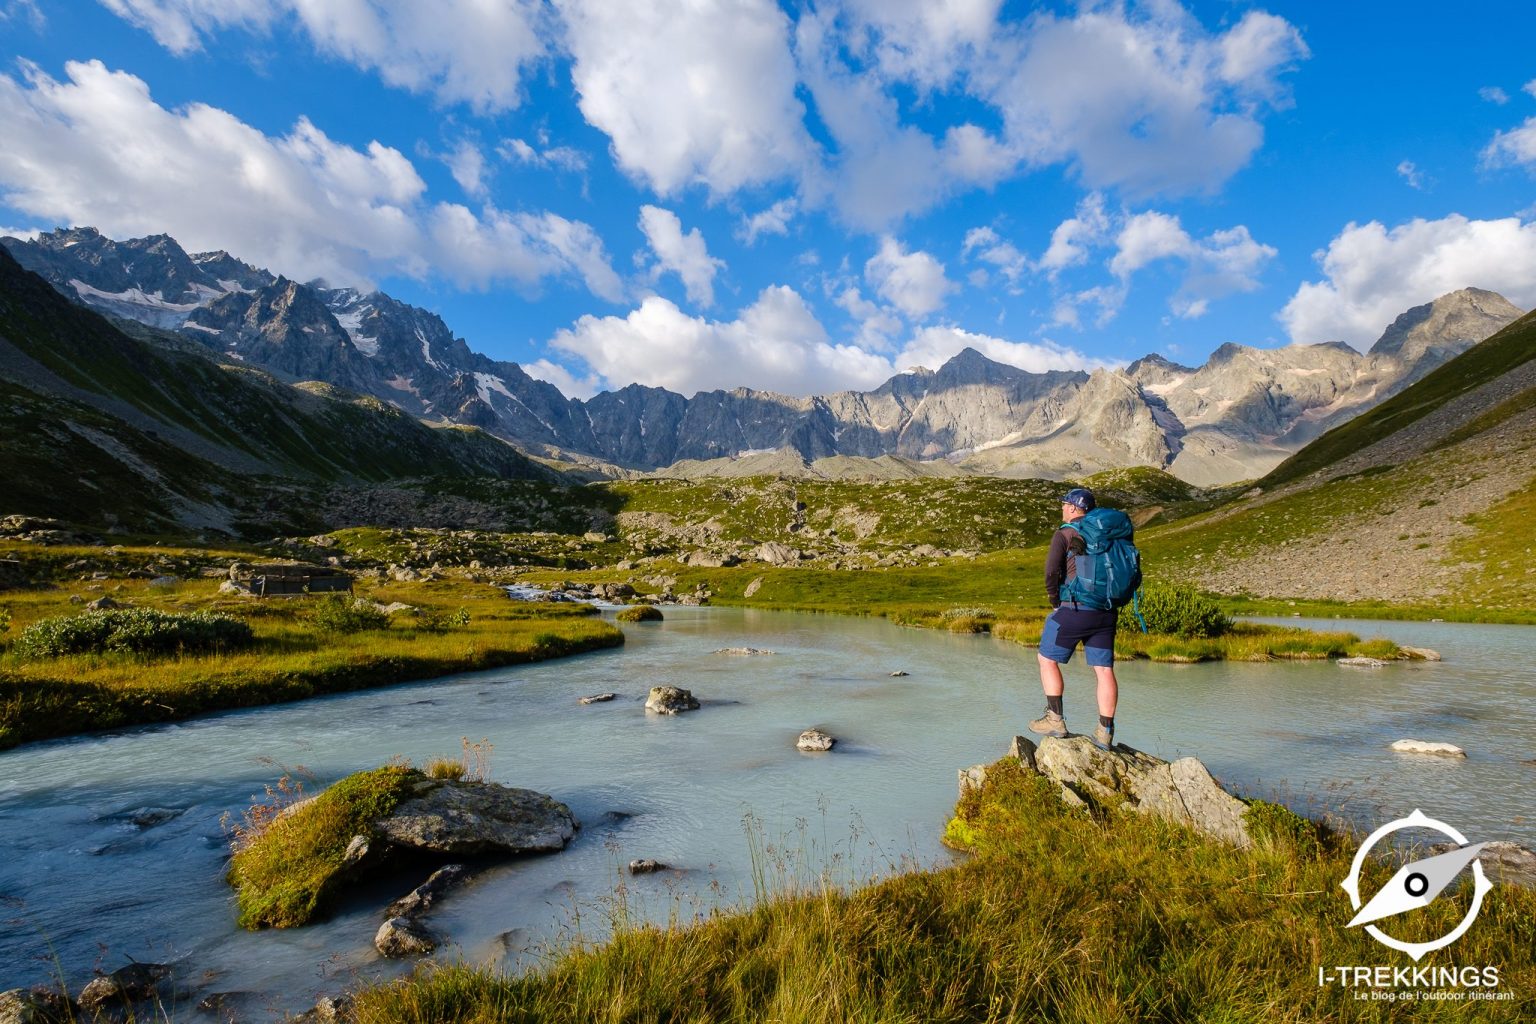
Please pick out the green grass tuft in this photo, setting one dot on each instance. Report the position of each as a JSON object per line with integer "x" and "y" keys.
{"x": 284, "y": 875}
{"x": 640, "y": 613}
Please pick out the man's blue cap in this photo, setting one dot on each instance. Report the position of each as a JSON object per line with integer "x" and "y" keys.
{"x": 1082, "y": 497}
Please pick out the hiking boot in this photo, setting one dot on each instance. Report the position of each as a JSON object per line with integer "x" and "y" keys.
{"x": 1050, "y": 724}
{"x": 1104, "y": 737}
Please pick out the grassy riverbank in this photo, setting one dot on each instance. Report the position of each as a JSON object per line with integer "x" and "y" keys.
{"x": 999, "y": 594}
{"x": 293, "y": 656}
{"x": 1057, "y": 916}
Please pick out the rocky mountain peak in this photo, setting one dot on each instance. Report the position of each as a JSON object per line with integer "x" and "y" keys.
{"x": 1447, "y": 326}
{"x": 1227, "y": 352}
{"x": 1154, "y": 363}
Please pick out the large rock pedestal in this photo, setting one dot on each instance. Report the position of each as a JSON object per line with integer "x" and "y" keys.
{"x": 1182, "y": 792}
{"x": 463, "y": 819}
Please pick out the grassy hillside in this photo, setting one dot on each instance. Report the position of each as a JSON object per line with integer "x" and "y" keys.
{"x": 105, "y": 428}
{"x": 1507, "y": 350}
{"x": 1427, "y": 501}
{"x": 828, "y": 518}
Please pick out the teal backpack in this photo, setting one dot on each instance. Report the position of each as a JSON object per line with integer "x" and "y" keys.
{"x": 1109, "y": 575}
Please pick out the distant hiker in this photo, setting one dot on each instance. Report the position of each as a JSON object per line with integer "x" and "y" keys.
{"x": 1092, "y": 569}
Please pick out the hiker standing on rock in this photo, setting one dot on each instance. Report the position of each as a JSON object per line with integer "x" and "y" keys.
{"x": 1091, "y": 570}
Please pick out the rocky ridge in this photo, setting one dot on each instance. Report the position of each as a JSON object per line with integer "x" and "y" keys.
{"x": 1234, "y": 418}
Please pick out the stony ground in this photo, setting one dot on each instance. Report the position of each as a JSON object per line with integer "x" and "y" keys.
{"x": 1400, "y": 526}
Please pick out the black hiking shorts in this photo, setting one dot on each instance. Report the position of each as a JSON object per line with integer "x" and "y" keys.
{"x": 1066, "y": 627}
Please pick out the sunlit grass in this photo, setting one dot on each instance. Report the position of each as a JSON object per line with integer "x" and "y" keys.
{"x": 1058, "y": 916}
{"x": 290, "y": 659}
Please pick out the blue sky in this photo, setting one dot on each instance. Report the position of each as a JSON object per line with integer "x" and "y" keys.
{"x": 802, "y": 197}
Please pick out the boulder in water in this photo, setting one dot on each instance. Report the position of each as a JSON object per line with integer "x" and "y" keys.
{"x": 1428, "y": 747}
{"x": 457, "y": 818}
{"x": 131, "y": 984}
{"x": 670, "y": 700}
{"x": 420, "y": 899}
{"x": 402, "y": 936}
{"x": 814, "y": 739}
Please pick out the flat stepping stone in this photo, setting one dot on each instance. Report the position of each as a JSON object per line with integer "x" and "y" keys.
{"x": 1428, "y": 747}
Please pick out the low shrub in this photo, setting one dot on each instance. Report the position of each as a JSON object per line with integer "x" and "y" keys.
{"x": 1176, "y": 610}
{"x": 5, "y": 620}
{"x": 133, "y": 631}
{"x": 339, "y": 613}
{"x": 442, "y": 622}
{"x": 640, "y": 613}
{"x": 968, "y": 620}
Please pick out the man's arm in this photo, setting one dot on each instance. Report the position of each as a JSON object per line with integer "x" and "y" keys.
{"x": 1056, "y": 567}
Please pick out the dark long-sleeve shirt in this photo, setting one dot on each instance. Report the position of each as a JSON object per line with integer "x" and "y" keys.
{"x": 1060, "y": 564}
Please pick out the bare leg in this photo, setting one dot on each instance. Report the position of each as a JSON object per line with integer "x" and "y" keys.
{"x": 1050, "y": 677}
{"x": 1109, "y": 688}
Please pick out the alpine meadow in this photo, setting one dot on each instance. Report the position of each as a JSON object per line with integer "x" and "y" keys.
{"x": 565, "y": 510}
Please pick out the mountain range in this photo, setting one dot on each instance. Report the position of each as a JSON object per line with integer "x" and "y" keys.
{"x": 117, "y": 431}
{"x": 1236, "y": 417}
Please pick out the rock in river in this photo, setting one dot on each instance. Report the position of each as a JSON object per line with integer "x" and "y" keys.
{"x": 1428, "y": 747}
{"x": 130, "y": 984}
{"x": 670, "y": 700}
{"x": 814, "y": 739}
{"x": 421, "y": 899}
{"x": 458, "y": 818}
{"x": 402, "y": 936}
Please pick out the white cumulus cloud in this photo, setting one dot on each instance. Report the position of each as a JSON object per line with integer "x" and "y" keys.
{"x": 684, "y": 254}
{"x": 986, "y": 245}
{"x": 913, "y": 282}
{"x": 570, "y": 385}
{"x": 927, "y": 42}
{"x": 1515, "y": 147}
{"x": 772, "y": 221}
{"x": 467, "y": 165}
{"x": 1373, "y": 274}
{"x": 469, "y": 51}
{"x": 1220, "y": 264}
{"x": 1142, "y": 99}
{"x": 690, "y": 93}
{"x": 93, "y": 150}
{"x": 1076, "y": 235}
{"x": 776, "y": 344}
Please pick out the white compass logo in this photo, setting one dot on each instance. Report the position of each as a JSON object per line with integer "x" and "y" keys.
{"x": 1417, "y": 884}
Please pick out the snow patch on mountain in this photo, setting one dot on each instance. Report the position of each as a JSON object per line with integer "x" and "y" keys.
{"x": 352, "y": 323}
